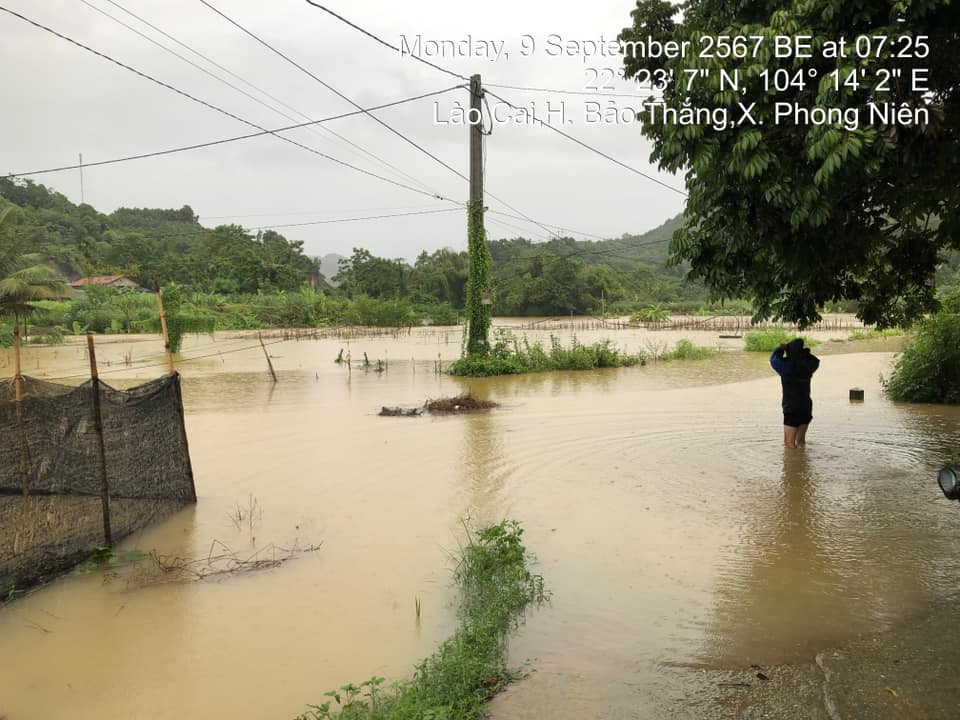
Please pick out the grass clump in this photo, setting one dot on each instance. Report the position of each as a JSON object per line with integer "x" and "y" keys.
{"x": 928, "y": 369}
{"x": 874, "y": 333}
{"x": 769, "y": 340}
{"x": 686, "y": 350}
{"x": 509, "y": 356}
{"x": 469, "y": 667}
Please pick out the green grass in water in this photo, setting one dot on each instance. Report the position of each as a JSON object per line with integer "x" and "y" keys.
{"x": 686, "y": 350}
{"x": 469, "y": 667}
{"x": 510, "y": 355}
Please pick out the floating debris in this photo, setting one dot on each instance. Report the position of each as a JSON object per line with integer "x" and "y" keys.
{"x": 401, "y": 412}
{"x": 461, "y": 403}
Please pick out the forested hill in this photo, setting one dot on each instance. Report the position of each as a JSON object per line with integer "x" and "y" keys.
{"x": 80, "y": 241}
{"x": 531, "y": 278}
{"x": 628, "y": 251}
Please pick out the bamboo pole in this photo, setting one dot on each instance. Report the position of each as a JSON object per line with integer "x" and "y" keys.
{"x": 101, "y": 448}
{"x": 163, "y": 324}
{"x": 267, "y": 356}
{"x": 18, "y": 397}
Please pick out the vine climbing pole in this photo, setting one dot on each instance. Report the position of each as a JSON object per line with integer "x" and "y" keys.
{"x": 479, "y": 262}
{"x": 163, "y": 324}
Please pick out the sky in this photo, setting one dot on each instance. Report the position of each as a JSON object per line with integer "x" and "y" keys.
{"x": 60, "y": 100}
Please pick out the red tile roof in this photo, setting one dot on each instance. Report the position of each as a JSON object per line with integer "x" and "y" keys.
{"x": 96, "y": 280}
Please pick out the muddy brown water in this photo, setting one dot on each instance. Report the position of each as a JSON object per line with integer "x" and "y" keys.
{"x": 672, "y": 528}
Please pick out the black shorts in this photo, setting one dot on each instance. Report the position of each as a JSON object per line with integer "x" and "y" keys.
{"x": 793, "y": 418}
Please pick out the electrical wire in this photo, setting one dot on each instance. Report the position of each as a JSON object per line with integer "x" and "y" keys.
{"x": 198, "y": 232}
{"x": 196, "y": 146}
{"x": 545, "y": 124}
{"x": 210, "y": 105}
{"x": 559, "y": 227}
{"x": 596, "y": 93}
{"x": 591, "y": 148}
{"x": 244, "y": 81}
{"x": 384, "y": 42}
{"x": 285, "y": 213}
{"x": 331, "y": 88}
{"x": 357, "y": 219}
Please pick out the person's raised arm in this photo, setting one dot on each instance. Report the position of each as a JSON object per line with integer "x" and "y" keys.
{"x": 777, "y": 360}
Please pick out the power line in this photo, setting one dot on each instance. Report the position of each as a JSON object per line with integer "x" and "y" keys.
{"x": 330, "y": 221}
{"x": 286, "y": 213}
{"x": 545, "y": 124}
{"x": 587, "y": 93}
{"x": 591, "y": 148}
{"x": 559, "y": 227}
{"x": 358, "y": 219}
{"x": 211, "y": 106}
{"x": 330, "y": 87}
{"x": 240, "y": 79}
{"x": 235, "y": 138}
{"x": 384, "y": 42}
{"x": 347, "y": 99}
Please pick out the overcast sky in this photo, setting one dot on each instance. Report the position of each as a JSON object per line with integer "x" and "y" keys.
{"x": 60, "y": 100}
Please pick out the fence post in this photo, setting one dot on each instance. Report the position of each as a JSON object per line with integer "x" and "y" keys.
{"x": 18, "y": 396}
{"x": 267, "y": 356}
{"x": 98, "y": 426}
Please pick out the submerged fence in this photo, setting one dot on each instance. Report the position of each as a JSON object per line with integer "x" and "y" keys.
{"x": 82, "y": 467}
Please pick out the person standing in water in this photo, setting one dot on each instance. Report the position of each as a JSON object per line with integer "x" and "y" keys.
{"x": 795, "y": 365}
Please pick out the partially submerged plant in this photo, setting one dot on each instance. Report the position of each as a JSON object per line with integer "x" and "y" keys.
{"x": 455, "y": 682}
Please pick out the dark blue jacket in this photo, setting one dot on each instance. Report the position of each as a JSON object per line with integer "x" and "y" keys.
{"x": 795, "y": 366}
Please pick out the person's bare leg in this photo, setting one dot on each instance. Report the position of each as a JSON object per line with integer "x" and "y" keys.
{"x": 790, "y": 436}
{"x": 802, "y": 435}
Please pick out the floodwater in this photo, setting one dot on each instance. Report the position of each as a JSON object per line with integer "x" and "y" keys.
{"x": 670, "y": 524}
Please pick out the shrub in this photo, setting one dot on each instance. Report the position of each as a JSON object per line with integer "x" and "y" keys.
{"x": 686, "y": 350}
{"x": 928, "y": 369}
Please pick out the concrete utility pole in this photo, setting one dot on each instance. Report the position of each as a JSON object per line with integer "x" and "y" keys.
{"x": 479, "y": 268}
{"x": 476, "y": 143}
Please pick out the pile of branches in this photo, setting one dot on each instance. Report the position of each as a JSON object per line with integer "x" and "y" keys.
{"x": 461, "y": 403}
{"x": 220, "y": 560}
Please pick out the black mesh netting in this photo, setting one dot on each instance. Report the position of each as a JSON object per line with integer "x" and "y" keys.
{"x": 51, "y": 477}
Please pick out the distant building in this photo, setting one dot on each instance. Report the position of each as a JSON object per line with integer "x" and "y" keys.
{"x": 114, "y": 281}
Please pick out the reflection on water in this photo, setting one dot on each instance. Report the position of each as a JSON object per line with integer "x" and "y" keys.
{"x": 671, "y": 526}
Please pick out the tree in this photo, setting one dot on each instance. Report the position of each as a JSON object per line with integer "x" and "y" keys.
{"x": 23, "y": 280}
{"x": 365, "y": 274}
{"x": 440, "y": 276}
{"x": 928, "y": 370}
{"x": 794, "y": 214}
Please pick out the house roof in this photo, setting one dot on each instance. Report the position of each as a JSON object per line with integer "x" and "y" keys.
{"x": 97, "y": 280}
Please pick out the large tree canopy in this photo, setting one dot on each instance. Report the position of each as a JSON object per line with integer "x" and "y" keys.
{"x": 794, "y": 214}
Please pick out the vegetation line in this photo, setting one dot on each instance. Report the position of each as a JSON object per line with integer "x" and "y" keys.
{"x": 470, "y": 666}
